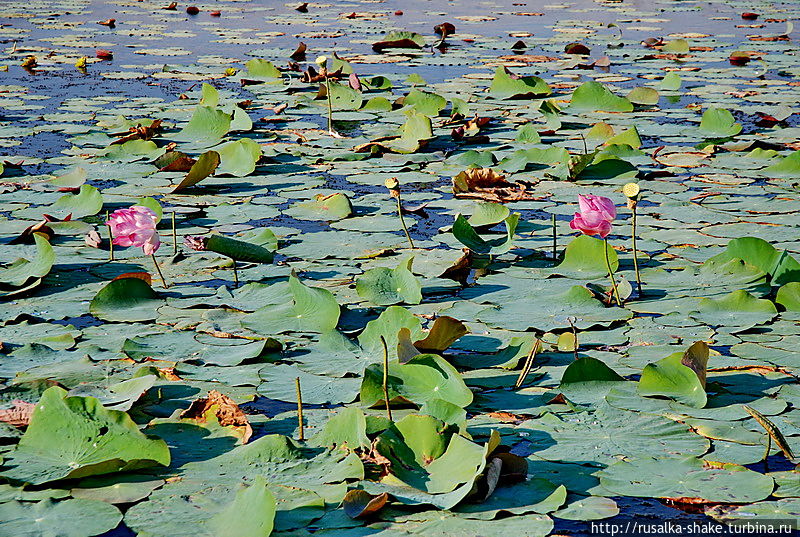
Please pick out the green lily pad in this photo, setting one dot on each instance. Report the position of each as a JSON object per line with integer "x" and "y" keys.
{"x": 779, "y": 265}
{"x": 593, "y": 96}
{"x": 86, "y": 202}
{"x": 250, "y": 514}
{"x": 584, "y": 258}
{"x": 602, "y": 436}
{"x": 126, "y": 300}
{"x": 204, "y": 166}
{"x": 206, "y": 127}
{"x": 424, "y": 102}
{"x": 643, "y": 95}
{"x": 21, "y": 271}
{"x": 343, "y": 97}
{"x": 736, "y": 311}
{"x": 238, "y": 158}
{"x": 384, "y": 286}
{"x": 421, "y": 378}
{"x": 655, "y": 478}
{"x": 466, "y": 235}
{"x": 788, "y": 296}
{"x": 258, "y": 69}
{"x": 122, "y": 488}
{"x": 786, "y": 167}
{"x": 719, "y": 122}
{"x": 71, "y": 437}
{"x": 669, "y": 377}
{"x": 311, "y": 309}
{"x": 506, "y": 86}
{"x": 330, "y": 208}
{"x": 68, "y": 518}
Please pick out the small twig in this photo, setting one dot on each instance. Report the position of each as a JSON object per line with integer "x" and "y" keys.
{"x": 386, "y": 378}
{"x": 299, "y": 409}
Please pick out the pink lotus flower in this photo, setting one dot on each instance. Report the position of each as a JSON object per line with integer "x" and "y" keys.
{"x": 135, "y": 226}
{"x": 597, "y": 213}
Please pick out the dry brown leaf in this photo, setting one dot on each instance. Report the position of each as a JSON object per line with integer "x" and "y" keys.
{"x": 226, "y": 411}
{"x": 19, "y": 415}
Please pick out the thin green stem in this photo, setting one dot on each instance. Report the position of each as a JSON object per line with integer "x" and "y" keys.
{"x": 300, "y": 425}
{"x": 386, "y": 378}
{"x": 158, "y": 269}
{"x": 766, "y": 453}
{"x": 403, "y": 221}
{"x": 235, "y": 274}
{"x": 555, "y": 240}
{"x": 110, "y": 241}
{"x": 330, "y": 104}
{"x": 635, "y": 253}
{"x": 611, "y": 273}
{"x": 174, "y": 236}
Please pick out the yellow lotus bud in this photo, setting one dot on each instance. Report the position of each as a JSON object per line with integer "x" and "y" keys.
{"x": 230, "y": 71}
{"x": 80, "y": 63}
{"x": 392, "y": 183}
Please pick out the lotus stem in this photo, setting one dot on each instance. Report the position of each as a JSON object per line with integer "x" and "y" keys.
{"x": 555, "y": 239}
{"x": 386, "y": 378}
{"x": 611, "y": 273}
{"x": 528, "y": 364}
{"x": 174, "y": 236}
{"x": 403, "y": 223}
{"x": 301, "y": 436}
{"x": 235, "y": 275}
{"x": 571, "y": 321}
{"x": 394, "y": 191}
{"x": 766, "y": 453}
{"x": 635, "y": 252}
{"x": 330, "y": 104}
{"x": 158, "y": 269}
{"x": 110, "y": 241}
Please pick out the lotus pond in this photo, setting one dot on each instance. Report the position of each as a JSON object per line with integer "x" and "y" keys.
{"x": 371, "y": 307}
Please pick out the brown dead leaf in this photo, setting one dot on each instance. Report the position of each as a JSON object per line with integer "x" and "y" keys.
{"x": 144, "y": 276}
{"x": 507, "y": 417}
{"x": 19, "y": 415}
{"x": 486, "y": 184}
{"x": 299, "y": 53}
{"x": 138, "y": 132}
{"x": 226, "y": 411}
{"x": 361, "y": 504}
{"x": 26, "y": 236}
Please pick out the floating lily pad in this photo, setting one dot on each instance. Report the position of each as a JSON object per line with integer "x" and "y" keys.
{"x": 71, "y": 437}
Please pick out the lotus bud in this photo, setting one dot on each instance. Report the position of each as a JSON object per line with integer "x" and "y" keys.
{"x": 631, "y": 191}
{"x": 394, "y": 186}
